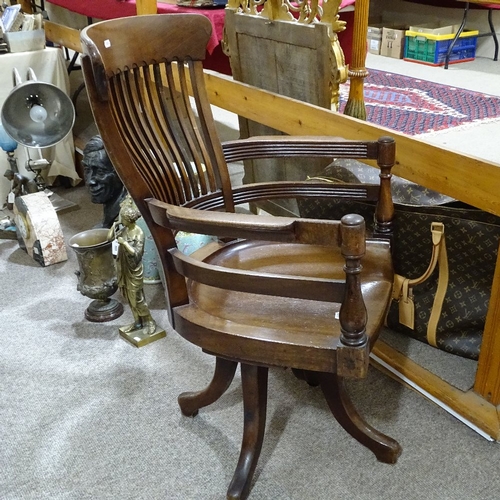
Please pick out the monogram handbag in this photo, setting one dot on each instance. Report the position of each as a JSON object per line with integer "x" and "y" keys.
{"x": 444, "y": 256}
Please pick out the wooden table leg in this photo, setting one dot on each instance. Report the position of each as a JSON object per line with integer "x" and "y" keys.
{"x": 488, "y": 369}
{"x": 357, "y": 71}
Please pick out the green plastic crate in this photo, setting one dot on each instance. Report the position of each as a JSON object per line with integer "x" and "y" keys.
{"x": 431, "y": 49}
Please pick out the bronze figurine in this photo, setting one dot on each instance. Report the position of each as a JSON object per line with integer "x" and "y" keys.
{"x": 21, "y": 185}
{"x": 128, "y": 248}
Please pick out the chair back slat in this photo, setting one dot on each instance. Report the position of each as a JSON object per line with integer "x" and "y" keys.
{"x": 197, "y": 164}
{"x": 135, "y": 129}
{"x": 163, "y": 134}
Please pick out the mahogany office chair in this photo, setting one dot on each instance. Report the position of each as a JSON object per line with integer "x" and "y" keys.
{"x": 274, "y": 291}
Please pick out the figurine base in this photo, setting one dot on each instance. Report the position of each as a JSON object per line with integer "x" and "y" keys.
{"x": 103, "y": 310}
{"x": 139, "y": 338}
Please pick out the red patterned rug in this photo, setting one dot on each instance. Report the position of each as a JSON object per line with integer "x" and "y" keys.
{"x": 415, "y": 107}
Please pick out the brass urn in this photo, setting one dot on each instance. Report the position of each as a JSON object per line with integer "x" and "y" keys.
{"x": 97, "y": 274}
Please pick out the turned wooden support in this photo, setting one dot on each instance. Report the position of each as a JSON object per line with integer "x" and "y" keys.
{"x": 353, "y": 348}
{"x": 384, "y": 213}
{"x": 353, "y": 310}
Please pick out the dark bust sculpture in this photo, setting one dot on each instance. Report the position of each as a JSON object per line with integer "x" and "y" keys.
{"x": 102, "y": 181}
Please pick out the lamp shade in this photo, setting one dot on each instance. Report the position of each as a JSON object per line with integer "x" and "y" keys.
{"x": 37, "y": 114}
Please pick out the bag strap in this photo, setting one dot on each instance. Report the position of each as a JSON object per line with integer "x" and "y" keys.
{"x": 437, "y": 305}
{"x": 330, "y": 180}
{"x": 402, "y": 290}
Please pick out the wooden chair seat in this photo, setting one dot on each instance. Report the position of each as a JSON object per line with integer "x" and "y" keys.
{"x": 283, "y": 327}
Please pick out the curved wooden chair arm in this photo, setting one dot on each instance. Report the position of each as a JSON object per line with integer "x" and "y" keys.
{"x": 247, "y": 226}
{"x": 298, "y": 287}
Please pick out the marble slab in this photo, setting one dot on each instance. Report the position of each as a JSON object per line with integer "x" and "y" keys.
{"x": 39, "y": 230}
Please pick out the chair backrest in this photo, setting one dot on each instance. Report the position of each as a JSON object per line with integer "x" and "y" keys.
{"x": 140, "y": 73}
{"x": 140, "y": 94}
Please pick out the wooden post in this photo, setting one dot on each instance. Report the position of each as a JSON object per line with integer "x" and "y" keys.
{"x": 146, "y": 7}
{"x": 26, "y": 6}
{"x": 487, "y": 382}
{"x": 355, "y": 105}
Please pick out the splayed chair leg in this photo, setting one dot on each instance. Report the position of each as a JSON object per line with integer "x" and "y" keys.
{"x": 254, "y": 383}
{"x": 191, "y": 402}
{"x": 385, "y": 448}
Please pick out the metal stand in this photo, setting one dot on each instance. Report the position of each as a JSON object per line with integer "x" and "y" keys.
{"x": 461, "y": 28}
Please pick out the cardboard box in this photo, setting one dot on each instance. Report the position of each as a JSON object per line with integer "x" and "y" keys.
{"x": 374, "y": 38}
{"x": 393, "y": 42}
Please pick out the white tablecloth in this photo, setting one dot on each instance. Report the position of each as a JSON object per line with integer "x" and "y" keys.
{"x": 49, "y": 66}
